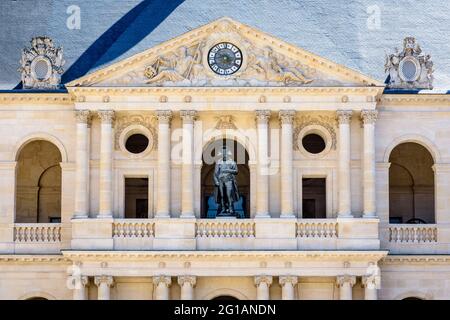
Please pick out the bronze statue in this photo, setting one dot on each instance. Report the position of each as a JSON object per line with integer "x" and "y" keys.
{"x": 225, "y": 191}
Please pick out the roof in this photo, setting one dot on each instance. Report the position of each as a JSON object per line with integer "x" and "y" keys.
{"x": 356, "y": 34}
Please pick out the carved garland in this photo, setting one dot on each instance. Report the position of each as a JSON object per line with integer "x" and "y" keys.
{"x": 323, "y": 121}
{"x": 125, "y": 121}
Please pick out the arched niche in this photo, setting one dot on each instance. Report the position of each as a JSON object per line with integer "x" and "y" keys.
{"x": 209, "y": 156}
{"x": 38, "y": 183}
{"x": 411, "y": 184}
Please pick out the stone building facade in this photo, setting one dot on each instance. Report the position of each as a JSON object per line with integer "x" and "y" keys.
{"x": 106, "y": 182}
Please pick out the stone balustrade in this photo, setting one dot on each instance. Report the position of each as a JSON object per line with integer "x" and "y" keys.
{"x": 412, "y": 233}
{"x": 133, "y": 228}
{"x": 207, "y": 228}
{"x": 37, "y": 232}
{"x": 317, "y": 228}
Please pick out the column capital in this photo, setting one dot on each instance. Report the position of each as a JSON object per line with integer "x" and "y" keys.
{"x": 78, "y": 282}
{"x": 286, "y": 116}
{"x": 263, "y": 279}
{"x": 192, "y": 280}
{"x": 371, "y": 282}
{"x": 188, "y": 116}
{"x": 288, "y": 279}
{"x": 342, "y": 280}
{"x": 106, "y": 116}
{"x": 344, "y": 116}
{"x": 108, "y": 280}
{"x": 369, "y": 116}
{"x": 165, "y": 280}
{"x": 164, "y": 116}
{"x": 82, "y": 116}
{"x": 262, "y": 116}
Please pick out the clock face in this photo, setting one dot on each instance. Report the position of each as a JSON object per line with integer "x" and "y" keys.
{"x": 225, "y": 58}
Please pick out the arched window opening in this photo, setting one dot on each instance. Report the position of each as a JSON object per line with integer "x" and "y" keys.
{"x": 38, "y": 183}
{"x": 411, "y": 184}
{"x": 209, "y": 208}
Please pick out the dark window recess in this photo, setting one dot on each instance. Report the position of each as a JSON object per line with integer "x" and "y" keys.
{"x": 313, "y": 143}
{"x": 141, "y": 208}
{"x": 314, "y": 198}
{"x": 136, "y": 198}
{"x": 136, "y": 143}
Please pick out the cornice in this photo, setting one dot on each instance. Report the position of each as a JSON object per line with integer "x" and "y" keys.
{"x": 151, "y": 255}
{"x": 52, "y": 98}
{"x": 415, "y": 259}
{"x": 414, "y": 99}
{"x": 373, "y": 90}
{"x": 35, "y": 259}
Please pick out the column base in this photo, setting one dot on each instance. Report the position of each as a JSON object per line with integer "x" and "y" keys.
{"x": 84, "y": 216}
{"x": 370, "y": 215}
{"x": 287, "y": 215}
{"x": 105, "y": 216}
{"x": 345, "y": 215}
{"x": 187, "y": 215}
{"x": 162, "y": 216}
{"x": 262, "y": 215}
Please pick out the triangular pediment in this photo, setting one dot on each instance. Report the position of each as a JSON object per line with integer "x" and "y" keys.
{"x": 225, "y": 53}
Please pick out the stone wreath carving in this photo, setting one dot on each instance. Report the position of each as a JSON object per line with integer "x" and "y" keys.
{"x": 41, "y": 64}
{"x": 147, "y": 121}
{"x": 327, "y": 122}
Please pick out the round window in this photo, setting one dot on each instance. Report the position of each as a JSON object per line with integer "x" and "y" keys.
{"x": 136, "y": 143}
{"x": 313, "y": 143}
{"x": 409, "y": 69}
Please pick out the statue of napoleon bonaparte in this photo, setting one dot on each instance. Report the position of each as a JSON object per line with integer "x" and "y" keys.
{"x": 225, "y": 191}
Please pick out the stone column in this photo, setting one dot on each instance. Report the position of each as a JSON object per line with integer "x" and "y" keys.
{"x": 262, "y": 287}
{"x": 369, "y": 188}
{"x": 162, "y": 284}
{"x": 287, "y": 287}
{"x": 187, "y": 167}
{"x": 344, "y": 119}
{"x": 370, "y": 284}
{"x": 104, "y": 284}
{"x": 79, "y": 284}
{"x": 82, "y": 165}
{"x": 187, "y": 284}
{"x": 345, "y": 284}
{"x": 262, "y": 175}
{"x": 287, "y": 149}
{"x": 163, "y": 180}
{"x": 106, "y": 163}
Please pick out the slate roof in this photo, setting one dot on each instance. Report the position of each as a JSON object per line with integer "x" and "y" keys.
{"x": 343, "y": 31}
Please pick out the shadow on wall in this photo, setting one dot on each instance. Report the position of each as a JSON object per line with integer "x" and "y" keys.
{"x": 121, "y": 36}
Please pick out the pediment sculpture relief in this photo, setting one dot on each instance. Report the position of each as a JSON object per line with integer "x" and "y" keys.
{"x": 194, "y": 66}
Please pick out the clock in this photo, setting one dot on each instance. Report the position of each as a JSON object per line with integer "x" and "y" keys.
{"x": 225, "y": 58}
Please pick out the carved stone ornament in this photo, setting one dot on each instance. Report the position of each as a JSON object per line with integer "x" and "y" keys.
{"x": 327, "y": 122}
{"x": 409, "y": 68}
{"x": 225, "y": 122}
{"x": 369, "y": 116}
{"x": 164, "y": 280}
{"x": 41, "y": 64}
{"x": 192, "y": 280}
{"x": 109, "y": 280}
{"x": 124, "y": 121}
{"x": 190, "y": 64}
{"x": 263, "y": 279}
